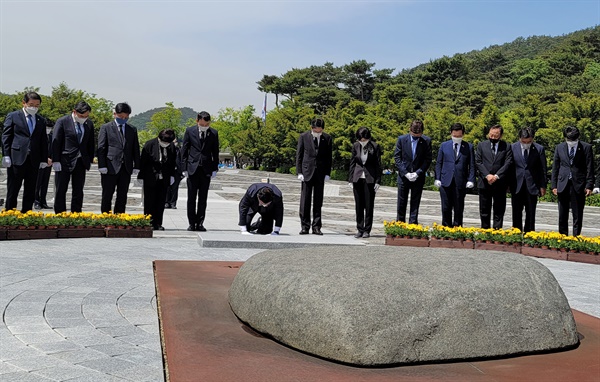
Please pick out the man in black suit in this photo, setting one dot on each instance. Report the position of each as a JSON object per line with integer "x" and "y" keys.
{"x": 572, "y": 179}
{"x": 157, "y": 171}
{"x": 528, "y": 179}
{"x": 313, "y": 165}
{"x": 413, "y": 157}
{"x": 493, "y": 159}
{"x": 72, "y": 155}
{"x": 118, "y": 158}
{"x": 454, "y": 173}
{"x": 24, "y": 150}
{"x": 43, "y": 179}
{"x": 173, "y": 189}
{"x": 596, "y": 189}
{"x": 266, "y": 200}
{"x": 199, "y": 163}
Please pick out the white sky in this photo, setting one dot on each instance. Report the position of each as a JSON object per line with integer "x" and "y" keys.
{"x": 208, "y": 55}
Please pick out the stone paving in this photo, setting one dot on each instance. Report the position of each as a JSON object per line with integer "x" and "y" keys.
{"x": 85, "y": 309}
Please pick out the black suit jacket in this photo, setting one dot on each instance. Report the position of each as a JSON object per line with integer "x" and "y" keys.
{"x": 151, "y": 168}
{"x": 115, "y": 151}
{"x": 195, "y": 154}
{"x": 249, "y": 203}
{"x": 404, "y": 158}
{"x": 310, "y": 163}
{"x": 530, "y": 174}
{"x": 17, "y": 142}
{"x": 65, "y": 146}
{"x": 582, "y": 170}
{"x": 487, "y": 163}
{"x": 371, "y": 168}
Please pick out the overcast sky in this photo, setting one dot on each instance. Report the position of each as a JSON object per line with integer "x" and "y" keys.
{"x": 208, "y": 55}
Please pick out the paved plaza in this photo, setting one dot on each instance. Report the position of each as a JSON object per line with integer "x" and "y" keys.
{"x": 85, "y": 309}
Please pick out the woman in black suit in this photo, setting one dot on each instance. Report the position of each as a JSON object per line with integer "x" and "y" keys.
{"x": 365, "y": 176}
{"x": 157, "y": 172}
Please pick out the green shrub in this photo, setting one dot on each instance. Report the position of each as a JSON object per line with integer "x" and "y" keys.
{"x": 339, "y": 175}
{"x": 293, "y": 170}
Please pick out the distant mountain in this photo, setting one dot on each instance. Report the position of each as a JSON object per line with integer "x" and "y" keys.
{"x": 141, "y": 120}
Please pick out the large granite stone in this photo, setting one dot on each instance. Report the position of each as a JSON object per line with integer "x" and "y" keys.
{"x": 391, "y": 305}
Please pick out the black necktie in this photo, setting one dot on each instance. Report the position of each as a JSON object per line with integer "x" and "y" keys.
{"x": 316, "y": 141}
{"x": 572, "y": 154}
{"x": 202, "y": 136}
{"x": 526, "y": 155}
{"x": 493, "y": 149}
{"x": 121, "y": 130}
{"x": 79, "y": 133}
{"x": 455, "y": 150}
{"x": 163, "y": 158}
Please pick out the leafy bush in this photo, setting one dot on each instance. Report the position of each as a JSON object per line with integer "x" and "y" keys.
{"x": 339, "y": 175}
{"x": 293, "y": 170}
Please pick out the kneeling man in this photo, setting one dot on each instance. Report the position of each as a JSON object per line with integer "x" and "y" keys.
{"x": 265, "y": 199}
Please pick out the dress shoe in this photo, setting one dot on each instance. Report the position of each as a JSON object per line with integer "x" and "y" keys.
{"x": 317, "y": 231}
{"x": 192, "y": 227}
{"x": 37, "y": 206}
{"x": 46, "y": 207}
{"x": 200, "y": 227}
{"x": 173, "y": 207}
{"x": 159, "y": 228}
{"x": 167, "y": 205}
{"x": 304, "y": 231}
{"x": 358, "y": 235}
{"x": 366, "y": 235}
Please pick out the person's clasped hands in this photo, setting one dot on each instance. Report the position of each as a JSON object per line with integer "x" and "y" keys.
{"x": 411, "y": 176}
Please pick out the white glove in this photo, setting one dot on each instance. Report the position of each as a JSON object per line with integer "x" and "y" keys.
{"x": 376, "y": 187}
{"x": 327, "y": 177}
{"x": 470, "y": 184}
{"x": 103, "y": 170}
{"x": 171, "y": 181}
{"x": 351, "y": 185}
{"x": 57, "y": 166}
{"x": 301, "y": 177}
{"x": 135, "y": 172}
{"x": 214, "y": 175}
{"x": 6, "y": 162}
{"x": 185, "y": 174}
{"x": 437, "y": 183}
{"x": 596, "y": 190}
{"x": 412, "y": 176}
{"x": 43, "y": 164}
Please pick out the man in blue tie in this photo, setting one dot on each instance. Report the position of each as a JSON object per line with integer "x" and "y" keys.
{"x": 572, "y": 179}
{"x": 413, "y": 157}
{"x": 72, "y": 155}
{"x": 24, "y": 150}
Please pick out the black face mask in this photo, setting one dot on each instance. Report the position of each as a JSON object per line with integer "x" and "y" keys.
{"x": 494, "y": 140}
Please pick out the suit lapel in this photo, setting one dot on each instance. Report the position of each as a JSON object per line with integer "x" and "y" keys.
{"x": 24, "y": 122}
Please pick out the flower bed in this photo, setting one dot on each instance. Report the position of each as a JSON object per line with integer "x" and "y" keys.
{"x": 15, "y": 225}
{"x": 540, "y": 244}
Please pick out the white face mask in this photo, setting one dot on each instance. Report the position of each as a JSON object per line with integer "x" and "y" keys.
{"x": 456, "y": 140}
{"x": 363, "y": 143}
{"x": 31, "y": 110}
{"x": 79, "y": 119}
{"x": 572, "y": 143}
{"x": 525, "y": 146}
{"x": 203, "y": 128}
{"x": 48, "y": 130}
{"x": 163, "y": 144}
{"x": 316, "y": 135}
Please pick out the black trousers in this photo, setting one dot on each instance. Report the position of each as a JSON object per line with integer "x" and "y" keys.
{"x": 306, "y": 196}
{"x": 524, "y": 200}
{"x": 25, "y": 176}
{"x": 173, "y": 191}
{"x": 198, "y": 185}
{"x": 416, "y": 190}
{"x": 364, "y": 201}
{"x": 493, "y": 195}
{"x": 62, "y": 179}
{"x": 263, "y": 225}
{"x": 109, "y": 182}
{"x": 453, "y": 200}
{"x": 570, "y": 198}
{"x": 154, "y": 201}
{"x": 41, "y": 185}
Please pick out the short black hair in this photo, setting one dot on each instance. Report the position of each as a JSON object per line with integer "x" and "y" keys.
{"x": 497, "y": 127}
{"x": 526, "y": 132}
{"x": 166, "y": 135}
{"x": 265, "y": 195}
{"x": 416, "y": 126}
{"x": 31, "y": 95}
{"x": 363, "y": 132}
{"x": 457, "y": 126}
{"x": 82, "y": 107}
{"x": 317, "y": 122}
{"x": 203, "y": 115}
{"x": 571, "y": 133}
{"x": 49, "y": 122}
{"x": 123, "y": 107}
